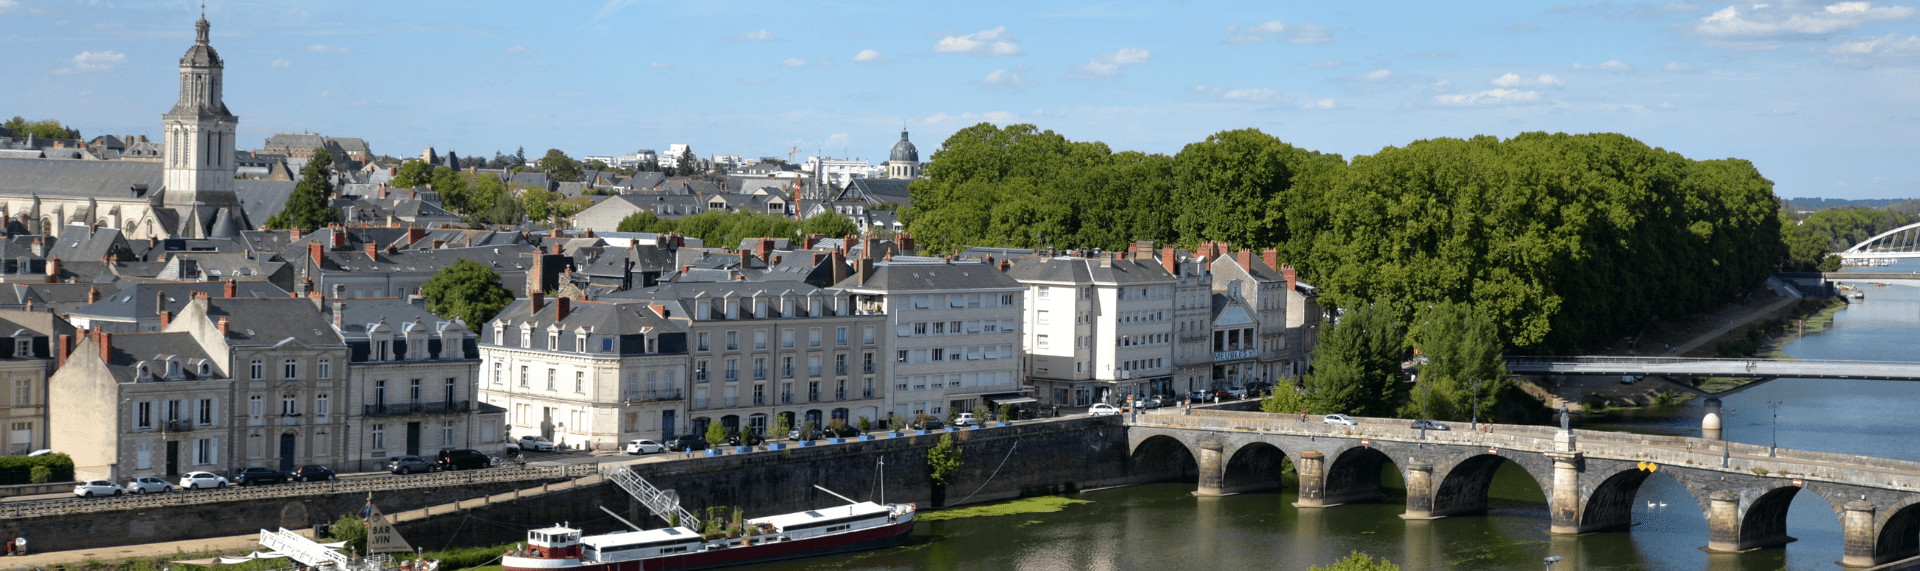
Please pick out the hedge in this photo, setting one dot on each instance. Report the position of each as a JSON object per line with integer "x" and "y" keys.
{"x": 15, "y": 470}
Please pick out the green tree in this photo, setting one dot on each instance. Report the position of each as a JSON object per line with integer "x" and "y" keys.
{"x": 1358, "y": 561}
{"x": 807, "y": 430}
{"x": 1356, "y": 367}
{"x": 563, "y": 167}
{"x": 1461, "y": 345}
{"x": 468, "y": 291}
{"x": 350, "y": 529}
{"x": 782, "y": 424}
{"x": 594, "y": 165}
{"x": 642, "y": 221}
{"x": 866, "y": 425}
{"x": 451, "y": 184}
{"x": 42, "y": 129}
{"x": 1285, "y": 399}
{"x": 943, "y": 460}
{"x": 1226, "y": 182}
{"x": 306, "y": 207}
{"x": 830, "y": 224}
{"x": 414, "y": 172}
{"x": 716, "y": 434}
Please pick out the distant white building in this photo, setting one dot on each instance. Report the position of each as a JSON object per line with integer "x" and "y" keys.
{"x": 674, "y": 152}
{"x": 634, "y": 159}
{"x": 841, "y": 171}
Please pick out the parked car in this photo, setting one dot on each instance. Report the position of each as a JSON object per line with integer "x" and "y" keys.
{"x": 200, "y": 480}
{"x": 149, "y": 485}
{"x": 1339, "y": 419}
{"x": 927, "y": 423}
{"x": 91, "y": 488}
{"x": 1429, "y": 424}
{"x": 645, "y": 447}
{"x": 259, "y": 475}
{"x": 842, "y": 430}
{"x": 1199, "y": 396}
{"x": 685, "y": 442}
{"x": 536, "y": 443}
{"x": 460, "y": 459}
{"x": 1103, "y": 409}
{"x": 408, "y": 464}
{"x": 966, "y": 419}
{"x": 312, "y": 474}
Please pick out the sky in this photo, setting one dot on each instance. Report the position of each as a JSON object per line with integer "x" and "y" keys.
{"x": 1819, "y": 95}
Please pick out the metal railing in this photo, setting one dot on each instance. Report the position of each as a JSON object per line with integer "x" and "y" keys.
{"x": 664, "y": 506}
{"x": 177, "y": 426}
{"x": 813, "y": 371}
{"x": 866, "y": 393}
{"x": 663, "y": 394}
{"x": 840, "y": 394}
{"x": 786, "y": 398}
{"x": 700, "y": 404}
{"x": 395, "y": 409}
{"x": 733, "y": 402}
{"x": 44, "y": 508}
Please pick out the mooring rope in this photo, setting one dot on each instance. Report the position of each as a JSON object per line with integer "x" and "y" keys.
{"x": 996, "y": 472}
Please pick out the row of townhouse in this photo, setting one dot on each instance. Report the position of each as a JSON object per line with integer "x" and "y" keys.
{"x": 233, "y": 382}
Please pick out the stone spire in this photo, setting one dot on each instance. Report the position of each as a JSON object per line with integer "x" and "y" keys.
{"x": 199, "y": 143}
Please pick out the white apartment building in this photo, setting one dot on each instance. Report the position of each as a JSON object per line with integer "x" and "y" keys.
{"x": 841, "y": 171}
{"x": 952, "y": 330}
{"x": 1097, "y": 328}
{"x": 585, "y": 374}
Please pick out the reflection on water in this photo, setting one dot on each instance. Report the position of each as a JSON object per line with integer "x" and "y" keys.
{"x": 1163, "y": 526}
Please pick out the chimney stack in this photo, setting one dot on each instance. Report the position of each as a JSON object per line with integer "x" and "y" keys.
{"x": 539, "y": 301}
{"x": 1167, "y": 260}
{"x": 166, "y": 318}
{"x": 765, "y": 249}
{"x": 659, "y": 310}
{"x": 1272, "y": 257}
{"x": 232, "y": 289}
{"x": 339, "y": 238}
{"x": 1245, "y": 257}
{"x": 314, "y": 252}
{"x": 684, "y": 270}
{"x": 66, "y": 346}
{"x": 865, "y": 271}
{"x": 53, "y": 270}
{"x": 372, "y": 252}
{"x": 561, "y": 306}
{"x": 106, "y": 347}
{"x": 293, "y": 233}
{"x": 223, "y": 328}
{"x": 1292, "y": 278}
{"x": 746, "y": 256}
{"x": 414, "y": 234}
{"x": 93, "y": 295}
{"x": 339, "y": 314}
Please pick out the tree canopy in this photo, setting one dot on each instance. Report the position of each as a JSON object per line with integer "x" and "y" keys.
{"x": 719, "y": 228}
{"x": 1814, "y": 237}
{"x": 42, "y": 129}
{"x": 414, "y": 172}
{"x": 306, "y": 207}
{"x": 562, "y": 167}
{"x": 468, "y": 291}
{"x": 1356, "y": 366}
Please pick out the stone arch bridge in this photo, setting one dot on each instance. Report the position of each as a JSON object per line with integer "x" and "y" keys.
{"x": 1590, "y": 478}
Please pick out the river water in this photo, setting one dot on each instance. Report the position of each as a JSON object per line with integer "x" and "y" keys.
{"x": 1162, "y": 526}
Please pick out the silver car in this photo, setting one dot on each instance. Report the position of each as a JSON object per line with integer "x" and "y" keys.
{"x": 91, "y": 488}
{"x": 201, "y": 480}
{"x": 149, "y": 485}
{"x": 1339, "y": 419}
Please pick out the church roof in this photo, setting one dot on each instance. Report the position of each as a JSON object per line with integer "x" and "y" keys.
{"x": 115, "y": 180}
{"x": 904, "y": 150}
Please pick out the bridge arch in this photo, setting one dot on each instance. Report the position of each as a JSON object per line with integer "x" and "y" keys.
{"x": 1898, "y": 244}
{"x": 1464, "y": 487}
{"x": 1764, "y": 522}
{"x": 1160, "y": 450}
{"x": 1899, "y": 535}
{"x": 1353, "y": 476}
{"x": 1256, "y": 465}
{"x": 1610, "y": 505}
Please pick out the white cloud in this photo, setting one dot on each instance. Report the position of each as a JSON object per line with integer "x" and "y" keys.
{"x": 1109, "y": 65}
{"x": 1001, "y": 117}
{"x": 994, "y": 42}
{"x": 870, "y": 56}
{"x": 1320, "y": 105}
{"x": 1679, "y": 67}
{"x": 281, "y": 63}
{"x": 323, "y": 49}
{"x": 1884, "y": 49}
{"x": 1376, "y": 80}
{"x": 1613, "y": 65}
{"x": 794, "y": 62}
{"x": 1514, "y": 80}
{"x": 517, "y": 49}
{"x": 1280, "y": 32}
{"x": 1015, "y": 78}
{"x": 94, "y": 61}
{"x": 658, "y": 65}
{"x": 1261, "y": 96}
{"x": 760, "y": 36}
{"x": 1763, "y": 27}
{"x": 9, "y": 5}
{"x": 1488, "y": 98}
{"x": 613, "y": 6}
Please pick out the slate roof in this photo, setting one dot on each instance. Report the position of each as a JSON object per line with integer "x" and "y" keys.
{"x": 1086, "y": 271}
{"x": 130, "y": 349}
{"x": 139, "y": 300}
{"x": 80, "y": 242}
{"x": 117, "y": 180}
{"x": 261, "y": 199}
{"x": 272, "y": 320}
{"x": 898, "y": 277}
{"x": 877, "y": 190}
{"x": 627, "y": 319}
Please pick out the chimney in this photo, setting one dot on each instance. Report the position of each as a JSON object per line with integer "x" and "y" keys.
{"x": 383, "y": 190}
{"x": 539, "y": 301}
{"x": 1245, "y": 257}
{"x": 106, "y": 346}
{"x": 865, "y": 271}
{"x": 314, "y": 250}
{"x": 869, "y": 245}
{"x": 1272, "y": 257}
{"x": 166, "y": 318}
{"x": 746, "y": 257}
{"x": 905, "y": 242}
{"x": 93, "y": 295}
{"x": 293, "y": 233}
{"x": 414, "y": 234}
{"x": 811, "y": 240}
{"x": 561, "y": 306}
{"x": 685, "y": 269}
{"x": 556, "y": 249}
{"x": 766, "y": 248}
{"x": 372, "y": 251}
{"x": 223, "y": 328}
{"x": 232, "y": 289}
{"x": 659, "y": 310}
{"x": 1106, "y": 260}
{"x": 339, "y": 313}
{"x": 1292, "y": 278}
{"x": 66, "y": 346}
{"x": 839, "y": 262}
{"x": 339, "y": 238}
{"x": 1167, "y": 260}
{"x": 53, "y": 270}
{"x": 437, "y": 243}
{"x": 1006, "y": 265}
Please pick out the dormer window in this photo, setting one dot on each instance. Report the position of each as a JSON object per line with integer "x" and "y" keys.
{"x": 380, "y": 351}
{"x": 580, "y": 343}
{"x": 22, "y": 348}
{"x": 553, "y": 341}
{"x": 142, "y": 373}
{"x": 173, "y": 369}
{"x": 500, "y": 334}
{"x": 526, "y": 338}
{"x": 206, "y": 370}
{"x": 760, "y": 309}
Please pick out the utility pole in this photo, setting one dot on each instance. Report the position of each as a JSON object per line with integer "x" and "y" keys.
{"x": 1774, "y": 405}
{"x": 1476, "y": 405}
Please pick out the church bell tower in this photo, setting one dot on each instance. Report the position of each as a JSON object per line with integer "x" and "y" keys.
{"x": 199, "y": 147}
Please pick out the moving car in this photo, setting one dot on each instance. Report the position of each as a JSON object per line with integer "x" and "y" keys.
{"x": 408, "y": 464}
{"x": 259, "y": 475}
{"x": 149, "y": 485}
{"x": 1429, "y": 424}
{"x": 91, "y": 488}
{"x": 199, "y": 480}
{"x": 1339, "y": 419}
{"x": 536, "y": 443}
{"x": 462, "y": 459}
{"x": 644, "y": 447}
{"x": 312, "y": 474}
{"x": 1103, "y": 409}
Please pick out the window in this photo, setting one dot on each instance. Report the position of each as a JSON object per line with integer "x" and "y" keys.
{"x": 902, "y": 358}
{"x": 204, "y": 414}
{"x": 496, "y": 373}
{"x": 1041, "y": 340}
{"x": 289, "y": 405}
{"x": 1041, "y": 317}
{"x": 1044, "y": 293}
{"x": 939, "y": 354}
{"x": 143, "y": 415}
{"x": 759, "y": 369}
{"x": 580, "y": 343}
{"x": 323, "y": 405}
{"x": 760, "y": 339}
{"x": 813, "y": 337}
{"x": 867, "y": 366}
{"x": 206, "y": 451}
{"x": 786, "y": 367}
{"x": 446, "y": 433}
{"x": 22, "y": 348}
{"x": 326, "y": 369}
{"x": 23, "y": 392}
{"x": 1006, "y": 299}
{"x": 292, "y": 370}
{"x": 552, "y": 377}
{"x": 379, "y": 432}
{"x": 940, "y": 328}
{"x": 259, "y": 371}
{"x": 526, "y": 338}
{"x": 866, "y": 336}
{"x": 702, "y": 341}
{"x": 606, "y": 345}
{"x": 413, "y": 392}
{"x": 786, "y": 338}
{"x": 919, "y": 329}
{"x": 523, "y": 376}
{"x": 700, "y": 371}
{"x": 380, "y": 352}
{"x": 580, "y": 382}
{"x": 255, "y": 406}
{"x": 553, "y": 341}
{"x": 451, "y": 392}
{"x": 733, "y": 340}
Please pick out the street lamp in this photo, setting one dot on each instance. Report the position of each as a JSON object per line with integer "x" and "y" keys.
{"x": 1552, "y": 560}
{"x": 1774, "y": 405}
{"x": 1426, "y": 394}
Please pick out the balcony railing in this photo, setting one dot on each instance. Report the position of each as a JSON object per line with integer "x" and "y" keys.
{"x": 733, "y": 375}
{"x": 395, "y": 409}
{"x": 177, "y": 426}
{"x": 866, "y": 368}
{"x": 840, "y": 369}
{"x": 700, "y": 375}
{"x": 813, "y": 371}
{"x": 733, "y": 402}
{"x": 786, "y": 373}
{"x": 866, "y": 393}
{"x": 759, "y": 400}
{"x": 786, "y": 398}
{"x": 813, "y": 396}
{"x": 664, "y": 394}
{"x": 840, "y": 394}
{"x": 759, "y": 374}
{"x": 700, "y": 404}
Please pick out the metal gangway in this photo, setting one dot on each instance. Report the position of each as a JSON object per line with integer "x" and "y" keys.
{"x": 306, "y": 551}
{"x": 661, "y": 503}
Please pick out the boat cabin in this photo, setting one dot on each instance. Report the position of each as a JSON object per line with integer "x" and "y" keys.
{"x": 557, "y": 542}
{"x": 812, "y": 523}
{"x": 630, "y": 545}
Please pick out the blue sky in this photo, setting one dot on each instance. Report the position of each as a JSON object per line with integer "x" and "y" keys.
{"x": 1820, "y": 95}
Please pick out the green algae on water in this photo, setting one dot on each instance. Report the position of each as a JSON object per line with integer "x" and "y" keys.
{"x": 1042, "y": 504}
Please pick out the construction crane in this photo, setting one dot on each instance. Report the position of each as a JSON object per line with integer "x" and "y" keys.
{"x": 791, "y": 152}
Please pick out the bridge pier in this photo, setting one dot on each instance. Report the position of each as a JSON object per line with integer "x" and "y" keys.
{"x": 1710, "y": 421}
{"x": 1858, "y": 535}
{"x": 1213, "y": 468}
{"x": 1564, "y": 506}
{"x": 1313, "y": 480}
{"x": 1419, "y": 490}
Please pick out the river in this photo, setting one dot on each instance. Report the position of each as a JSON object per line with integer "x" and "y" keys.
{"x": 1162, "y": 526}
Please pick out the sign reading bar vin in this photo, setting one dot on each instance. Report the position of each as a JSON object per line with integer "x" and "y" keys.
{"x": 381, "y": 537}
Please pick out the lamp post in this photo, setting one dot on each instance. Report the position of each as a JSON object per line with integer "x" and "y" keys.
{"x": 1774, "y": 406}
{"x": 1550, "y": 560}
{"x": 1476, "y": 404}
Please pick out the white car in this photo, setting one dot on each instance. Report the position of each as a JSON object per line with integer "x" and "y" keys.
{"x": 644, "y": 447}
{"x": 149, "y": 485}
{"x": 91, "y": 488}
{"x": 966, "y": 419}
{"x": 1103, "y": 409}
{"x": 202, "y": 480}
{"x": 537, "y": 443}
{"x": 1339, "y": 419}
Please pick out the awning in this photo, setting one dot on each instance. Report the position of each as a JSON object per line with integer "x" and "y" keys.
{"x": 1020, "y": 400}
